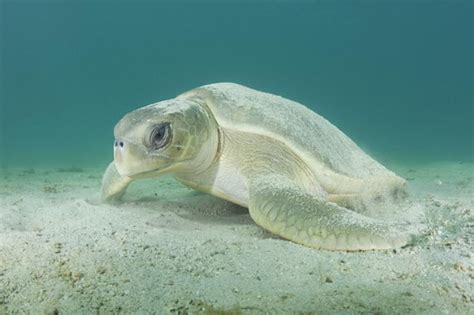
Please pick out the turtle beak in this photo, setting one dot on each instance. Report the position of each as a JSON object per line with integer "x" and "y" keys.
{"x": 128, "y": 157}
{"x": 132, "y": 160}
{"x": 118, "y": 148}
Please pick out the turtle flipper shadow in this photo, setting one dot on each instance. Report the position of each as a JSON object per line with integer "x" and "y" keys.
{"x": 113, "y": 184}
{"x": 283, "y": 208}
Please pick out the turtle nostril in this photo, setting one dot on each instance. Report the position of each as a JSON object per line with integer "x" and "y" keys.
{"x": 121, "y": 144}
{"x": 115, "y": 143}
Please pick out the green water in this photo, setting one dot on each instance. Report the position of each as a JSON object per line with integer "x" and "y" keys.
{"x": 396, "y": 76}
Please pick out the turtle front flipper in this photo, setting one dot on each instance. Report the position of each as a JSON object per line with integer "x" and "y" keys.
{"x": 113, "y": 184}
{"x": 280, "y": 206}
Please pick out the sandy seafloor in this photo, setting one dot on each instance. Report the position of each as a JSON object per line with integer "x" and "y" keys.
{"x": 168, "y": 249}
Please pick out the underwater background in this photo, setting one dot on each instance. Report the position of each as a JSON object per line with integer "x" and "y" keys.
{"x": 395, "y": 76}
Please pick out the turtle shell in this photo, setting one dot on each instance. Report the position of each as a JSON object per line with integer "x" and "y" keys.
{"x": 310, "y": 135}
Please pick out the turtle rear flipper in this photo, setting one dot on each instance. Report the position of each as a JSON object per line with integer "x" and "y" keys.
{"x": 280, "y": 206}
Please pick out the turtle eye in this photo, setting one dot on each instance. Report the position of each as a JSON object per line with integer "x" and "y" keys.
{"x": 160, "y": 136}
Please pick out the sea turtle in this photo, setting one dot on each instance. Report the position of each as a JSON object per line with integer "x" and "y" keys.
{"x": 300, "y": 176}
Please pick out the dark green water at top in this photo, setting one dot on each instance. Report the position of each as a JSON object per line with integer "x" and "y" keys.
{"x": 396, "y": 76}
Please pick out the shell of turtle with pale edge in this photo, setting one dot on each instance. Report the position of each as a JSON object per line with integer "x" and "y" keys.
{"x": 314, "y": 138}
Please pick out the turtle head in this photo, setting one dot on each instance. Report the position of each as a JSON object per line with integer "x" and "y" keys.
{"x": 171, "y": 136}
